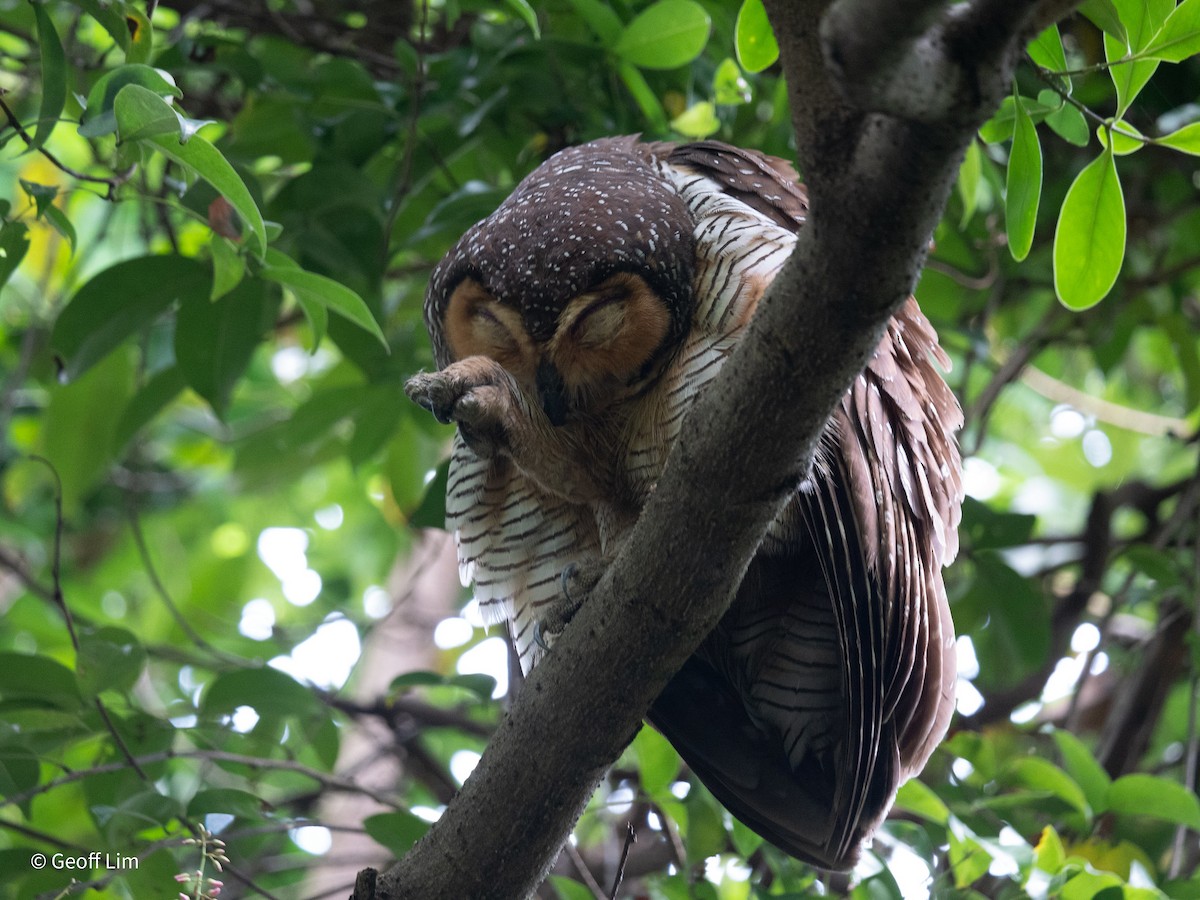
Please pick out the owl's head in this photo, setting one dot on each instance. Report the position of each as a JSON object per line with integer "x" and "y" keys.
{"x": 580, "y": 284}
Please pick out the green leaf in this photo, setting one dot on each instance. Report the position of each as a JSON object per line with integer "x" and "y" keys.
{"x": 1089, "y": 241}
{"x": 118, "y": 302}
{"x": 1083, "y": 767}
{"x": 1069, "y": 124}
{"x": 643, "y": 95}
{"x": 228, "y": 266}
{"x": 1011, "y": 639}
{"x": 984, "y": 528}
{"x": 202, "y": 158}
{"x": 141, "y": 113}
{"x": 408, "y": 680}
{"x": 1023, "y": 185}
{"x": 1040, "y": 775}
{"x": 1125, "y": 138}
{"x": 54, "y": 76}
{"x": 1179, "y": 37}
{"x": 397, "y": 831}
{"x": 59, "y": 221}
{"x": 754, "y": 39}
{"x": 729, "y": 87}
{"x": 1186, "y": 140}
{"x": 969, "y": 861}
{"x": 658, "y": 762}
{"x": 697, "y": 121}
{"x": 154, "y": 396}
{"x": 1158, "y": 798}
{"x": 110, "y": 18}
{"x": 110, "y": 659}
{"x": 229, "y": 801}
{"x": 569, "y": 889}
{"x": 970, "y": 174}
{"x": 918, "y": 798}
{"x": 1049, "y": 852}
{"x": 267, "y": 690}
{"x": 526, "y": 13}
{"x": 666, "y": 35}
{"x": 284, "y": 450}
{"x": 482, "y": 686}
{"x": 414, "y": 448}
{"x": 745, "y": 840}
{"x": 79, "y": 429}
{"x": 99, "y": 117}
{"x": 19, "y": 772}
{"x": 42, "y": 195}
{"x": 214, "y": 340}
{"x": 308, "y": 286}
{"x": 705, "y": 830}
{"x": 378, "y": 417}
{"x": 600, "y": 18}
{"x": 14, "y": 244}
{"x": 1047, "y": 50}
{"x": 1104, "y": 15}
{"x": 24, "y": 676}
{"x": 141, "y": 36}
{"x": 431, "y": 512}
{"x": 1142, "y": 20}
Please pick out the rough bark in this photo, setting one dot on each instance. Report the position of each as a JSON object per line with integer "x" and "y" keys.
{"x": 879, "y": 171}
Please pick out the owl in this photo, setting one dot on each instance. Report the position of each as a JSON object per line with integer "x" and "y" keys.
{"x": 573, "y": 328}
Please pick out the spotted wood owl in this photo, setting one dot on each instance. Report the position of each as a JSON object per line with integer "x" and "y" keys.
{"x": 573, "y": 328}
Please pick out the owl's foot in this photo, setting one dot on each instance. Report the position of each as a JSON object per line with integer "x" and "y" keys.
{"x": 475, "y": 393}
{"x": 576, "y": 581}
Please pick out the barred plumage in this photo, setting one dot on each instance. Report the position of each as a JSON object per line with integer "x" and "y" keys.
{"x": 574, "y": 328}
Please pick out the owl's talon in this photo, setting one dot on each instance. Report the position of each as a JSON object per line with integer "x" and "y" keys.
{"x": 578, "y": 580}
{"x": 472, "y": 394}
{"x": 564, "y": 579}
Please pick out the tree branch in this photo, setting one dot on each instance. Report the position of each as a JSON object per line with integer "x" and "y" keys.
{"x": 923, "y": 61}
{"x": 814, "y": 330}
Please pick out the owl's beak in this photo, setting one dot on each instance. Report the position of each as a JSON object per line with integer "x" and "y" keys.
{"x": 552, "y": 392}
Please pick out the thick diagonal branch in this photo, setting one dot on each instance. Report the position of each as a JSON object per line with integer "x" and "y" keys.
{"x": 878, "y": 186}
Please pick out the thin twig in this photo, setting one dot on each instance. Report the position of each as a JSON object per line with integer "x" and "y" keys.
{"x": 585, "y": 874}
{"x": 333, "y": 782}
{"x": 61, "y": 600}
{"x": 1191, "y": 761}
{"x": 630, "y": 838}
{"x": 113, "y": 182}
{"x": 14, "y": 565}
{"x": 139, "y": 539}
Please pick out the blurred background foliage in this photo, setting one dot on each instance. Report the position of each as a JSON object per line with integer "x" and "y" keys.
{"x": 224, "y": 611}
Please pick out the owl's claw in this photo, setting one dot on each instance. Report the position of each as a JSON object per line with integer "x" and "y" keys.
{"x": 539, "y": 638}
{"x": 474, "y": 393}
{"x": 575, "y": 582}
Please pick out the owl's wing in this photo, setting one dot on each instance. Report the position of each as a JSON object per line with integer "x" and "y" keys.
{"x": 513, "y": 540}
{"x": 840, "y": 641}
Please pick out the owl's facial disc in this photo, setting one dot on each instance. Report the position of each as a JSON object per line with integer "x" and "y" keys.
{"x": 477, "y": 324}
{"x": 606, "y": 339}
{"x": 604, "y": 343}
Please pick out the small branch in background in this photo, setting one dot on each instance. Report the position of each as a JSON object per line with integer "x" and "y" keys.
{"x": 332, "y": 782}
{"x": 980, "y": 411}
{"x": 1183, "y": 856}
{"x": 1140, "y": 697}
{"x": 630, "y": 838}
{"x": 10, "y": 562}
{"x": 1103, "y": 410}
{"x": 584, "y": 873}
{"x": 113, "y": 181}
{"x": 139, "y": 539}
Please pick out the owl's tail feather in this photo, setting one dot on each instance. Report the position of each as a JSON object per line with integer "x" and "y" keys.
{"x": 748, "y": 772}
